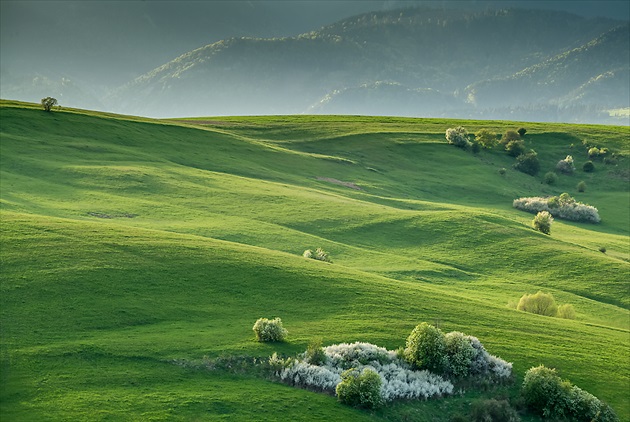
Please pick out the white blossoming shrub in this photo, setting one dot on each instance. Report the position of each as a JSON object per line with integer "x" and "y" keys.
{"x": 398, "y": 380}
{"x": 269, "y": 330}
{"x": 563, "y": 207}
{"x": 566, "y": 166}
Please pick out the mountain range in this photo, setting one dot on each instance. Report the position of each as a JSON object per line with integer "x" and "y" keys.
{"x": 505, "y": 63}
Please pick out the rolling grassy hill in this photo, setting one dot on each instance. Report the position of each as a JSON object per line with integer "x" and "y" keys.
{"x": 130, "y": 244}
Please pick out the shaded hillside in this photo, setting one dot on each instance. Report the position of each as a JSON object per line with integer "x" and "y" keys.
{"x": 595, "y": 73}
{"x": 425, "y": 50}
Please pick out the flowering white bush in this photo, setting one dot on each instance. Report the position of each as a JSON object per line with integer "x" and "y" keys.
{"x": 563, "y": 207}
{"x": 566, "y": 166}
{"x": 319, "y": 254}
{"x": 398, "y": 380}
{"x": 269, "y": 330}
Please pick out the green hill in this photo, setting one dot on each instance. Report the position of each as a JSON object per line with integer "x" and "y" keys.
{"x": 131, "y": 246}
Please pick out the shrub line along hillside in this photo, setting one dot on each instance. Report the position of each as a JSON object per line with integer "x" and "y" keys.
{"x": 130, "y": 243}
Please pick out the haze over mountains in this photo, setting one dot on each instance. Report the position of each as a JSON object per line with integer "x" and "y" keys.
{"x": 484, "y": 62}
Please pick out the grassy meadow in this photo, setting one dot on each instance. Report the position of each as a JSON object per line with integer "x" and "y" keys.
{"x": 129, "y": 245}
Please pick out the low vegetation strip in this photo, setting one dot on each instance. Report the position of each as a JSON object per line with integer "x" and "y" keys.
{"x": 563, "y": 206}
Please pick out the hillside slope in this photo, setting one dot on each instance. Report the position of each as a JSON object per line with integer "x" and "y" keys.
{"x": 132, "y": 244}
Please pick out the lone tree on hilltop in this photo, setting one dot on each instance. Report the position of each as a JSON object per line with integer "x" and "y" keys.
{"x": 48, "y": 103}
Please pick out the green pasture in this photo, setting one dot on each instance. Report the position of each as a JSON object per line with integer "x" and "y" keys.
{"x": 130, "y": 244}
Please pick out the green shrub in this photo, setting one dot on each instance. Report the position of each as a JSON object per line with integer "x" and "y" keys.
{"x": 426, "y": 348}
{"x": 550, "y": 178}
{"x": 588, "y": 167}
{"x": 581, "y": 187}
{"x": 542, "y": 222}
{"x": 610, "y": 160}
{"x": 315, "y": 354}
{"x": 522, "y": 131}
{"x": 486, "y": 138}
{"x": 360, "y": 389}
{"x": 319, "y": 254}
{"x": 602, "y": 249}
{"x": 267, "y": 330}
{"x": 509, "y": 136}
{"x": 566, "y": 311}
{"x": 502, "y": 171}
{"x": 515, "y": 148}
{"x": 493, "y": 410}
{"x": 539, "y": 303}
{"x": 475, "y": 147}
{"x": 544, "y": 392}
{"x": 528, "y": 163}
{"x": 458, "y": 136}
{"x": 459, "y": 352}
{"x": 549, "y": 396}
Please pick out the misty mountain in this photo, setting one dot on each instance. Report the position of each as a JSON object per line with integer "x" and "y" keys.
{"x": 595, "y": 73}
{"x": 413, "y": 62}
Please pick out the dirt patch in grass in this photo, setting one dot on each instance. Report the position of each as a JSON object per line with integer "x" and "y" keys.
{"x": 111, "y": 215}
{"x": 339, "y": 182}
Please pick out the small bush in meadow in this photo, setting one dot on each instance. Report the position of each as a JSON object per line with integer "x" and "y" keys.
{"x": 509, "y": 136}
{"x": 360, "y": 388}
{"x": 602, "y": 249}
{"x": 542, "y": 222}
{"x": 528, "y": 163}
{"x": 550, "y": 178}
{"x": 426, "y": 348}
{"x": 581, "y": 187}
{"x": 563, "y": 206}
{"x": 267, "y": 330}
{"x": 515, "y": 148}
{"x": 319, "y": 254}
{"x": 547, "y": 395}
{"x": 588, "y": 167}
{"x": 566, "y": 165}
{"x": 458, "y": 136}
{"x": 315, "y": 354}
{"x": 521, "y": 131}
{"x": 486, "y": 138}
{"x": 566, "y": 311}
{"x": 502, "y": 171}
{"x": 610, "y": 160}
{"x": 539, "y": 303}
{"x": 493, "y": 410}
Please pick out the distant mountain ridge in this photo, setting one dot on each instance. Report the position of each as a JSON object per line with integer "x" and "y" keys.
{"x": 424, "y": 62}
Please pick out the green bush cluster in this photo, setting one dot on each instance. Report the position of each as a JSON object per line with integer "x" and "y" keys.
{"x": 360, "y": 388}
{"x": 546, "y": 394}
{"x": 528, "y": 163}
{"x": 267, "y": 330}
{"x": 486, "y": 138}
{"x": 545, "y": 304}
{"x": 515, "y": 148}
{"x": 588, "y": 167}
{"x": 459, "y": 353}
